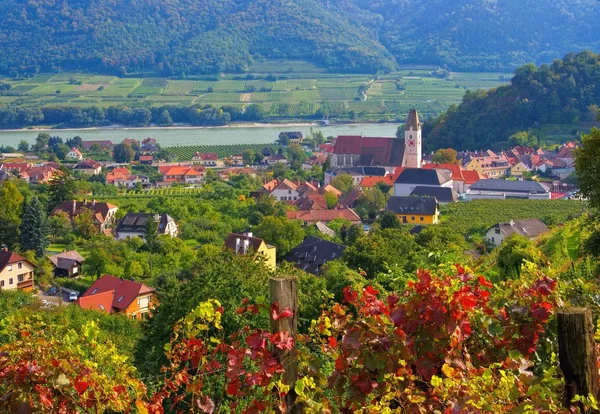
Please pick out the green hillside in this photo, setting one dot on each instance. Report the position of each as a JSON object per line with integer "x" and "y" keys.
{"x": 565, "y": 92}
{"x": 183, "y": 37}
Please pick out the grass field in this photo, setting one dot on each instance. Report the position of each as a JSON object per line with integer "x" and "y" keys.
{"x": 302, "y": 85}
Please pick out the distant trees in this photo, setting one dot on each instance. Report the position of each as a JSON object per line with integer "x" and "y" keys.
{"x": 343, "y": 182}
{"x": 11, "y": 207}
{"x": 123, "y": 153}
{"x": 61, "y": 187}
{"x": 281, "y": 233}
{"x": 445, "y": 156}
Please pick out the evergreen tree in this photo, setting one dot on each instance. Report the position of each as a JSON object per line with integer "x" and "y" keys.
{"x": 34, "y": 228}
{"x": 151, "y": 235}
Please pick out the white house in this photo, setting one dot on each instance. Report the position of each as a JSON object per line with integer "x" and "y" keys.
{"x": 75, "y": 154}
{"x": 285, "y": 191}
{"x": 412, "y": 178}
{"x": 530, "y": 228}
{"x": 503, "y": 189}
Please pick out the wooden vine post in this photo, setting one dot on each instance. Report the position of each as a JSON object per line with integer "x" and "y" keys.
{"x": 577, "y": 355}
{"x": 284, "y": 294}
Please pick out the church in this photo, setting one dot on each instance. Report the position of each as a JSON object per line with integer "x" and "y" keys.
{"x": 359, "y": 151}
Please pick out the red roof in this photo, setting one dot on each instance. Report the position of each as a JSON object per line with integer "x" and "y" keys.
{"x": 331, "y": 189}
{"x": 124, "y": 292}
{"x": 456, "y": 170}
{"x": 7, "y": 258}
{"x": 323, "y": 215}
{"x": 371, "y": 181}
{"x": 347, "y": 144}
{"x": 100, "y": 301}
{"x": 287, "y": 184}
{"x": 146, "y": 157}
{"x": 271, "y": 185}
{"x": 471, "y": 177}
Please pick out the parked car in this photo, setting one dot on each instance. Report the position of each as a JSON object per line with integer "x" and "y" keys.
{"x": 73, "y": 296}
{"x": 52, "y": 291}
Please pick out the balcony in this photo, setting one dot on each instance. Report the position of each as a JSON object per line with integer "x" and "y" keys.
{"x": 26, "y": 284}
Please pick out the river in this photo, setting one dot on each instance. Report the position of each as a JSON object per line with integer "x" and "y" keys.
{"x": 167, "y": 137}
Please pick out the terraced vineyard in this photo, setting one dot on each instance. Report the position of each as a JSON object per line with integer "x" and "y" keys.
{"x": 303, "y": 86}
{"x": 185, "y": 153}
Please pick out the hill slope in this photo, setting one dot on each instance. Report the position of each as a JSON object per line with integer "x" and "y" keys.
{"x": 567, "y": 91}
{"x": 173, "y": 37}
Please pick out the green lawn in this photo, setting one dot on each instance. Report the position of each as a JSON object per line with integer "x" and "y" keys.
{"x": 302, "y": 85}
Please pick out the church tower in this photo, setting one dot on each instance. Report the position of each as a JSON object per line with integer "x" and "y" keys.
{"x": 412, "y": 141}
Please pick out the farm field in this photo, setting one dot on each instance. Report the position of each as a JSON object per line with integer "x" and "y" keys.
{"x": 285, "y": 90}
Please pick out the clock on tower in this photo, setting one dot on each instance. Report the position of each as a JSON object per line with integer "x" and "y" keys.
{"x": 412, "y": 140}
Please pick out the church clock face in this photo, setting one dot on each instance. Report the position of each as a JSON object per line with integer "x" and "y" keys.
{"x": 411, "y": 143}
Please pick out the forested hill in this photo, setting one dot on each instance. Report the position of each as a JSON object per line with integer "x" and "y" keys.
{"x": 175, "y": 37}
{"x": 567, "y": 91}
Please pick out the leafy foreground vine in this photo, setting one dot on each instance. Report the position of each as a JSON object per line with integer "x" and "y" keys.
{"x": 447, "y": 344}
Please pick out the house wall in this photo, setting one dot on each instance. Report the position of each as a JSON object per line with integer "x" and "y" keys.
{"x": 270, "y": 255}
{"x": 495, "y": 236}
{"x": 418, "y": 219}
{"x": 406, "y": 189}
{"x": 10, "y": 275}
{"x": 141, "y": 307}
{"x": 499, "y": 195}
{"x": 284, "y": 194}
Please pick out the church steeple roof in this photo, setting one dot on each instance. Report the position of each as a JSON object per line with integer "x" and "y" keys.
{"x": 413, "y": 124}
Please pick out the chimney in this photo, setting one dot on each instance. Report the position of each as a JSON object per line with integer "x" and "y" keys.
{"x": 157, "y": 217}
{"x": 249, "y": 233}
{"x": 84, "y": 201}
{"x": 246, "y": 245}
{"x": 512, "y": 223}
{"x": 93, "y": 204}
{"x": 238, "y": 243}
{"x": 74, "y": 207}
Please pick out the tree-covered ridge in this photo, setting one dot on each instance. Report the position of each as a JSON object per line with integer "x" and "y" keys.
{"x": 175, "y": 37}
{"x": 565, "y": 92}
{"x": 484, "y": 35}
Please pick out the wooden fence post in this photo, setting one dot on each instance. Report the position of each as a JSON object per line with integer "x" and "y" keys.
{"x": 284, "y": 294}
{"x": 577, "y": 354}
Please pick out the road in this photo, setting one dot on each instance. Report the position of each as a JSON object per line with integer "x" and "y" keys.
{"x": 54, "y": 300}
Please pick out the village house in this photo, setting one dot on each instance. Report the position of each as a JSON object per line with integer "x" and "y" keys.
{"x": 206, "y": 159}
{"x": 530, "y": 228}
{"x": 358, "y": 174}
{"x": 443, "y": 195}
{"x": 314, "y": 160}
{"x": 134, "y": 225}
{"x": 350, "y": 200}
{"x": 461, "y": 179}
{"x": 40, "y": 174}
{"x": 567, "y": 153}
{"x": 503, "y": 189}
{"x": 313, "y": 253}
{"x": 146, "y": 159}
{"x": 75, "y": 154}
{"x": 518, "y": 170}
{"x": 102, "y": 144}
{"x": 237, "y": 160}
{"x": 246, "y": 243}
{"x": 133, "y": 143}
{"x": 183, "y": 174}
{"x": 131, "y": 181}
{"x": 492, "y": 166}
{"x": 410, "y": 178}
{"x": 115, "y": 295}
{"x": 102, "y": 213}
{"x": 285, "y": 191}
{"x": 324, "y": 216}
{"x": 16, "y": 272}
{"x": 88, "y": 167}
{"x": 275, "y": 159}
{"x": 294, "y": 137}
{"x": 67, "y": 264}
{"x": 414, "y": 210}
{"x": 149, "y": 146}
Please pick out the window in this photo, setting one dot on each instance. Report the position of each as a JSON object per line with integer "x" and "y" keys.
{"x": 1, "y": 283}
{"x": 10, "y": 281}
{"x": 413, "y": 218}
{"x": 497, "y": 231}
{"x": 10, "y": 268}
{"x": 493, "y": 241}
{"x": 133, "y": 317}
{"x": 20, "y": 265}
{"x": 289, "y": 191}
{"x": 20, "y": 278}
{"x": 422, "y": 218}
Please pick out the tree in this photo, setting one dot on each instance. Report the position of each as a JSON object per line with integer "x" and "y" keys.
{"x": 23, "y": 146}
{"x": 383, "y": 187}
{"x": 523, "y": 139}
{"x": 61, "y": 187}
{"x": 248, "y": 156}
{"x": 514, "y": 251}
{"x": 296, "y": 155}
{"x": 11, "y": 207}
{"x": 445, "y": 156}
{"x": 60, "y": 225}
{"x": 97, "y": 261}
{"x": 372, "y": 200}
{"x": 281, "y": 233}
{"x": 254, "y": 112}
{"x": 587, "y": 165}
{"x": 34, "y": 228}
{"x": 389, "y": 220}
{"x": 151, "y": 235}
{"x": 84, "y": 224}
{"x": 343, "y": 182}
{"x": 165, "y": 118}
{"x": 123, "y": 153}
{"x": 331, "y": 199}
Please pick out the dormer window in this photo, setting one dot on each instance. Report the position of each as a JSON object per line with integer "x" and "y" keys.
{"x": 120, "y": 299}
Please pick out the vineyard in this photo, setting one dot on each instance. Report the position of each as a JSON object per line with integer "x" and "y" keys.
{"x": 479, "y": 215}
{"x": 185, "y": 153}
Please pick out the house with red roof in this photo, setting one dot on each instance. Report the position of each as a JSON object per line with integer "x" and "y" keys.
{"x": 89, "y": 167}
{"x": 16, "y": 272}
{"x": 567, "y": 153}
{"x": 103, "y": 144}
{"x": 75, "y": 154}
{"x": 317, "y": 159}
{"x": 359, "y": 151}
{"x": 116, "y": 295}
{"x": 206, "y": 159}
{"x": 183, "y": 174}
{"x": 102, "y": 213}
{"x": 285, "y": 191}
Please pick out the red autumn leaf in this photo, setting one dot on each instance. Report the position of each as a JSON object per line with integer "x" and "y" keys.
{"x": 255, "y": 341}
{"x": 370, "y": 290}
{"x": 233, "y": 387}
{"x": 55, "y": 363}
{"x": 332, "y": 342}
{"x": 283, "y": 340}
{"x": 44, "y": 396}
{"x": 206, "y": 405}
{"x": 349, "y": 295}
{"x": 468, "y": 301}
{"x": 285, "y": 313}
{"x": 81, "y": 386}
{"x": 484, "y": 282}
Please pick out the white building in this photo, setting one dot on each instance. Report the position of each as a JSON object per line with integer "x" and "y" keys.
{"x": 134, "y": 225}
{"x": 412, "y": 138}
{"x": 75, "y": 154}
{"x": 412, "y": 178}
{"x": 502, "y": 189}
{"x": 530, "y": 228}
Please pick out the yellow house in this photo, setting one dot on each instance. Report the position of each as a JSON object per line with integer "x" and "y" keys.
{"x": 415, "y": 210}
{"x": 518, "y": 170}
{"x": 493, "y": 167}
{"x": 15, "y": 272}
{"x": 245, "y": 243}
